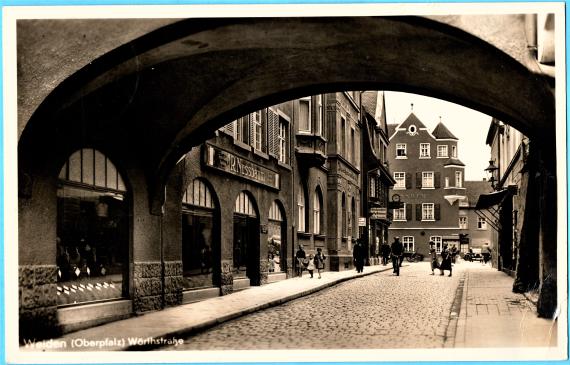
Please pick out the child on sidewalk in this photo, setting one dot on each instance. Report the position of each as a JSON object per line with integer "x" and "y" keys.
{"x": 311, "y": 265}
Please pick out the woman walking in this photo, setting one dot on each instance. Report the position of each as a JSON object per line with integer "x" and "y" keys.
{"x": 433, "y": 257}
{"x": 319, "y": 261}
{"x": 446, "y": 260}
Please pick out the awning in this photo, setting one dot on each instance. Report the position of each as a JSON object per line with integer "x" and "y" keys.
{"x": 486, "y": 201}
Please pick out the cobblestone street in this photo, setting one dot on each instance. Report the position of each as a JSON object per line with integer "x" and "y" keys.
{"x": 373, "y": 312}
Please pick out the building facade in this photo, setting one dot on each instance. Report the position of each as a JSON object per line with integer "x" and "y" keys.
{"x": 236, "y": 208}
{"x": 429, "y": 182}
{"x": 474, "y": 226}
{"x": 513, "y": 206}
{"x": 376, "y": 176}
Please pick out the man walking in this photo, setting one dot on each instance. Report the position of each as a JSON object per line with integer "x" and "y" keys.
{"x": 358, "y": 255}
{"x": 385, "y": 253}
{"x": 300, "y": 258}
{"x": 397, "y": 252}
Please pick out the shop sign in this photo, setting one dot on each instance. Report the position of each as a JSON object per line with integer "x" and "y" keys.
{"x": 378, "y": 213}
{"x": 230, "y": 163}
{"x": 362, "y": 222}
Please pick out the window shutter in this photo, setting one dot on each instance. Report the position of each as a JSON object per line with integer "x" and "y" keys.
{"x": 437, "y": 212}
{"x": 408, "y": 180}
{"x": 409, "y": 212}
{"x": 229, "y": 128}
{"x": 418, "y": 180}
{"x": 418, "y": 212}
{"x": 251, "y": 130}
{"x": 437, "y": 180}
{"x": 273, "y": 126}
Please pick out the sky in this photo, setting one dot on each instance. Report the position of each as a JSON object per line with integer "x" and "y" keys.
{"x": 468, "y": 125}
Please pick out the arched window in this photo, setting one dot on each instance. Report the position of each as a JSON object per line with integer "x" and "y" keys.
{"x": 317, "y": 211}
{"x": 198, "y": 194}
{"x": 344, "y": 216}
{"x": 275, "y": 239}
{"x": 92, "y": 229}
{"x": 301, "y": 208}
{"x": 244, "y": 205}
{"x": 200, "y": 239}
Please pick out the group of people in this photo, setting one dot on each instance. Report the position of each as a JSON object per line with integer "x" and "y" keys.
{"x": 309, "y": 263}
{"x": 447, "y": 256}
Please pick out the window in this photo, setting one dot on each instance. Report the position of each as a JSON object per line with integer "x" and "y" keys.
{"x": 458, "y": 179}
{"x": 442, "y": 151}
{"x": 400, "y": 150}
{"x": 438, "y": 243}
{"x": 301, "y": 209}
{"x": 317, "y": 200}
{"x": 92, "y": 230}
{"x": 352, "y": 147}
{"x": 400, "y": 214}
{"x": 354, "y": 219}
{"x": 427, "y": 179}
{"x": 372, "y": 186}
{"x": 282, "y": 138}
{"x": 319, "y": 116}
{"x": 242, "y": 129}
{"x": 344, "y": 216}
{"x": 343, "y": 136}
{"x": 305, "y": 115}
{"x": 408, "y": 242}
{"x": 198, "y": 234}
{"x": 463, "y": 223}
{"x": 454, "y": 151}
{"x": 427, "y": 212}
{"x": 446, "y": 182}
{"x": 424, "y": 150}
{"x": 257, "y": 130}
{"x": 400, "y": 178}
{"x": 481, "y": 223}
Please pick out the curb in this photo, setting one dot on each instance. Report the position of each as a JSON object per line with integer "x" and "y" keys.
{"x": 230, "y": 316}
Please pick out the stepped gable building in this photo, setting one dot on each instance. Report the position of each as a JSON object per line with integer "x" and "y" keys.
{"x": 429, "y": 182}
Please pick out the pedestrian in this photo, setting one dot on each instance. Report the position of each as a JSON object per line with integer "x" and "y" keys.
{"x": 385, "y": 253}
{"x": 445, "y": 260}
{"x": 397, "y": 250}
{"x": 453, "y": 253}
{"x": 300, "y": 256}
{"x": 433, "y": 257}
{"x": 320, "y": 261}
{"x": 358, "y": 256}
{"x": 311, "y": 265}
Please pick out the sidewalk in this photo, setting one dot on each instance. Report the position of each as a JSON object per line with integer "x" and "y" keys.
{"x": 491, "y": 315}
{"x": 181, "y": 321}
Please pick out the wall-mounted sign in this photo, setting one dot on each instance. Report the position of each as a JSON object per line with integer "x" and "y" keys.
{"x": 362, "y": 222}
{"x": 378, "y": 213}
{"x": 230, "y": 163}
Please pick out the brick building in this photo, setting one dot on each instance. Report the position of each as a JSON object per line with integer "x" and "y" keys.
{"x": 429, "y": 181}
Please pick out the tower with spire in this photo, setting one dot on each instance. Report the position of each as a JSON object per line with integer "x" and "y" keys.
{"x": 429, "y": 182}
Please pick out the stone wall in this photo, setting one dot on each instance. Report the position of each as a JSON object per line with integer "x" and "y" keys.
{"x": 227, "y": 278}
{"x": 147, "y": 282}
{"x": 173, "y": 283}
{"x": 37, "y": 301}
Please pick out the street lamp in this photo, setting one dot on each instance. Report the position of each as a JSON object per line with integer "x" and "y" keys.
{"x": 491, "y": 171}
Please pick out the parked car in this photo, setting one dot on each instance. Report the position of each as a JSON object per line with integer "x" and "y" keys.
{"x": 472, "y": 257}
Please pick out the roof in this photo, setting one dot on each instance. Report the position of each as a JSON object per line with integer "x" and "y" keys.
{"x": 391, "y": 129}
{"x": 493, "y": 127}
{"x": 441, "y": 132}
{"x": 453, "y": 161}
{"x": 473, "y": 189}
{"x": 412, "y": 120}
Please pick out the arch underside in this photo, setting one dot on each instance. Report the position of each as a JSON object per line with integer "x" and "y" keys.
{"x": 158, "y": 96}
